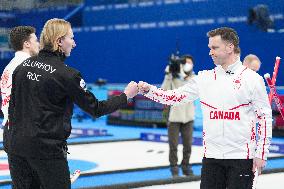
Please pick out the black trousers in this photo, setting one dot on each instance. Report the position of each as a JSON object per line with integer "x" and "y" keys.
{"x": 226, "y": 174}
{"x": 27, "y": 173}
{"x": 186, "y": 130}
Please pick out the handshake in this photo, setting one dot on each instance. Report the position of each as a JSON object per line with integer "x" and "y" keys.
{"x": 132, "y": 89}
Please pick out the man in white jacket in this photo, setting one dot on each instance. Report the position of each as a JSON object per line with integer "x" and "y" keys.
{"x": 232, "y": 98}
{"x": 24, "y": 41}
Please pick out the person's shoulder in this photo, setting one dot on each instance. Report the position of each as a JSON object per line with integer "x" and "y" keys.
{"x": 70, "y": 72}
{"x": 16, "y": 60}
{"x": 20, "y": 63}
{"x": 66, "y": 75}
{"x": 57, "y": 64}
{"x": 31, "y": 58}
{"x": 251, "y": 73}
{"x": 253, "y": 77}
{"x": 9, "y": 64}
{"x": 206, "y": 72}
{"x": 178, "y": 82}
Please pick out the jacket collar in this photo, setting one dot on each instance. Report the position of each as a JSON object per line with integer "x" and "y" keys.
{"x": 48, "y": 53}
{"x": 22, "y": 54}
{"x": 232, "y": 68}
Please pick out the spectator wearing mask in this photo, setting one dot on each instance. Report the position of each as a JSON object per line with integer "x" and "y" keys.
{"x": 180, "y": 120}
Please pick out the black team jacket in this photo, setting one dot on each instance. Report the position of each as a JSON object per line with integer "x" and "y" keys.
{"x": 41, "y": 106}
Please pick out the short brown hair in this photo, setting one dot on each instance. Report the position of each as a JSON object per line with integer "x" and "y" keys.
{"x": 227, "y": 34}
{"x": 20, "y": 34}
{"x": 53, "y": 30}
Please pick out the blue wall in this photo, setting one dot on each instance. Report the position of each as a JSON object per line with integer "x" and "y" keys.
{"x": 35, "y": 18}
{"x": 38, "y": 17}
{"x": 123, "y": 42}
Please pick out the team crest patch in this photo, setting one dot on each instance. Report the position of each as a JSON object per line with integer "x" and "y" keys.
{"x": 237, "y": 83}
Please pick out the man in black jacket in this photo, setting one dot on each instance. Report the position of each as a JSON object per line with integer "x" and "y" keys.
{"x": 41, "y": 106}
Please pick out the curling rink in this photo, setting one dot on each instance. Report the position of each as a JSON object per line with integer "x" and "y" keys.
{"x": 114, "y": 156}
{"x": 127, "y": 155}
{"x": 267, "y": 181}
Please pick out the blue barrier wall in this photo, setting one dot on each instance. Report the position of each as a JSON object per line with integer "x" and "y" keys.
{"x": 38, "y": 17}
{"x": 123, "y": 42}
{"x": 35, "y": 18}
{"x": 132, "y": 41}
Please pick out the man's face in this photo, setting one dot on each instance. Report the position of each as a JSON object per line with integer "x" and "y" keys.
{"x": 68, "y": 43}
{"x": 33, "y": 45}
{"x": 219, "y": 50}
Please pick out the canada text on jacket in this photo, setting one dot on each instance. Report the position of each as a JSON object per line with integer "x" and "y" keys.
{"x": 224, "y": 115}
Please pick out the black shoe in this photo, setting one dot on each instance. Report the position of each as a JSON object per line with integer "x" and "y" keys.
{"x": 174, "y": 171}
{"x": 187, "y": 170}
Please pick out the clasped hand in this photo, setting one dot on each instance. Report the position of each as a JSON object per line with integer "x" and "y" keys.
{"x": 132, "y": 89}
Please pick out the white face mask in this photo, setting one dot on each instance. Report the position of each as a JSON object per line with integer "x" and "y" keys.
{"x": 187, "y": 67}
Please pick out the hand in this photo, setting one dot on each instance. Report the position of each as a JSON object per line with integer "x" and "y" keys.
{"x": 259, "y": 164}
{"x": 143, "y": 87}
{"x": 167, "y": 70}
{"x": 131, "y": 90}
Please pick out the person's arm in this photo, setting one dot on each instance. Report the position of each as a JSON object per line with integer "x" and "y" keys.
{"x": 263, "y": 112}
{"x": 79, "y": 94}
{"x": 264, "y": 117}
{"x": 181, "y": 95}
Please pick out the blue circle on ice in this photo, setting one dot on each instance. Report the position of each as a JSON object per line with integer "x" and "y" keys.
{"x": 82, "y": 165}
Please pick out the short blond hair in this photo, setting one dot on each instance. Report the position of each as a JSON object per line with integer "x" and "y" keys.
{"x": 53, "y": 30}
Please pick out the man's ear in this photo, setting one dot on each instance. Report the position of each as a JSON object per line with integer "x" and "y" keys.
{"x": 26, "y": 44}
{"x": 229, "y": 48}
{"x": 59, "y": 42}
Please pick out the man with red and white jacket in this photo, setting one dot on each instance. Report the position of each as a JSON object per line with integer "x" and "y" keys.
{"x": 233, "y": 98}
{"x": 24, "y": 41}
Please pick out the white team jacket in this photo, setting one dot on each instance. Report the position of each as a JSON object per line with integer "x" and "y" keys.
{"x": 232, "y": 102}
{"x": 6, "y": 81}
